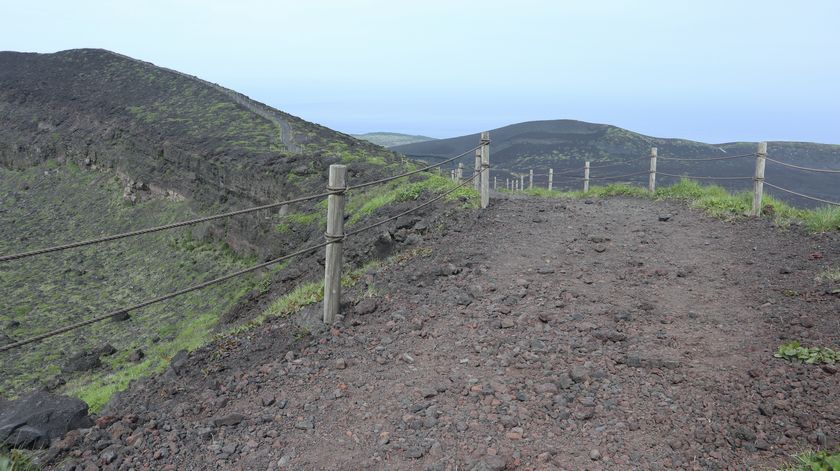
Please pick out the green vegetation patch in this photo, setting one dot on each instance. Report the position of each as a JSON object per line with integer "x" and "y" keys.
{"x": 816, "y": 461}
{"x": 365, "y": 204}
{"x": 811, "y": 355}
{"x": 45, "y": 292}
{"x": 16, "y": 460}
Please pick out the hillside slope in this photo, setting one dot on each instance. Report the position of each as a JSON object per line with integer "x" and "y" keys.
{"x": 616, "y": 342}
{"x": 94, "y": 143}
{"x": 566, "y": 144}
{"x": 213, "y": 146}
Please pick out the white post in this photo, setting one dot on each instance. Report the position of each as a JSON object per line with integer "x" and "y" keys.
{"x": 485, "y": 169}
{"x": 335, "y": 236}
{"x": 521, "y": 182}
{"x": 652, "y": 175}
{"x": 459, "y": 174}
{"x": 550, "y": 179}
{"x": 586, "y": 177}
{"x": 531, "y": 179}
{"x": 452, "y": 175}
{"x": 758, "y": 180}
{"x": 495, "y": 183}
{"x": 476, "y": 169}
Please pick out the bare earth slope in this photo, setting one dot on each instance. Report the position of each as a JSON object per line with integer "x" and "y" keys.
{"x": 564, "y": 335}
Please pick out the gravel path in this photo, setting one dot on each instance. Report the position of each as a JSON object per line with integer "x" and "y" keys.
{"x": 536, "y": 335}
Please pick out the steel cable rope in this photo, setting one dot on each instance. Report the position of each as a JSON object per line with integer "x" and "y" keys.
{"x": 385, "y": 180}
{"x": 702, "y": 177}
{"x": 810, "y": 169}
{"x": 833, "y": 203}
{"x": 157, "y": 300}
{"x": 7, "y": 258}
{"x": 620, "y": 176}
{"x": 442, "y": 195}
{"x": 222, "y": 278}
{"x": 706, "y": 159}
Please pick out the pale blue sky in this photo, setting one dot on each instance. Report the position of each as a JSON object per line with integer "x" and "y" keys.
{"x": 708, "y": 70}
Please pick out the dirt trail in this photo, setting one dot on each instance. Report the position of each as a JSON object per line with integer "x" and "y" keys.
{"x": 536, "y": 335}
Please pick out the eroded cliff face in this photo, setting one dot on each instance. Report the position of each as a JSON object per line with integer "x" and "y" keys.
{"x": 175, "y": 133}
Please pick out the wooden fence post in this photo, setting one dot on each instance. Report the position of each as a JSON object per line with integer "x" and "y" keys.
{"x": 495, "y": 183}
{"x": 758, "y": 180}
{"x": 335, "y": 236}
{"x": 531, "y": 179}
{"x": 586, "y": 177}
{"x": 452, "y": 175}
{"x": 485, "y": 169}
{"x": 652, "y": 174}
{"x": 459, "y": 174}
{"x": 476, "y": 170}
{"x": 550, "y": 179}
{"x": 521, "y": 182}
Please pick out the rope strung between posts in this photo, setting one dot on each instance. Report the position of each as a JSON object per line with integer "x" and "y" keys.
{"x": 820, "y": 200}
{"x": 150, "y": 230}
{"x": 442, "y": 195}
{"x": 620, "y": 176}
{"x": 330, "y": 239}
{"x": 702, "y": 178}
{"x": 809, "y": 169}
{"x": 709, "y": 159}
{"x": 32, "y": 253}
{"x": 165, "y": 297}
{"x": 386, "y": 180}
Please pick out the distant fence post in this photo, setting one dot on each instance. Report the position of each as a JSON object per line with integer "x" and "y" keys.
{"x": 652, "y": 174}
{"x": 586, "y": 177}
{"x": 476, "y": 170}
{"x": 452, "y": 175}
{"x": 459, "y": 174}
{"x": 485, "y": 169}
{"x": 335, "y": 236}
{"x": 531, "y": 179}
{"x": 550, "y": 179}
{"x": 495, "y": 183}
{"x": 521, "y": 182}
{"x": 758, "y": 180}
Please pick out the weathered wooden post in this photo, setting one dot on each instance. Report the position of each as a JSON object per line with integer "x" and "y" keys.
{"x": 550, "y": 179}
{"x": 652, "y": 174}
{"x": 495, "y": 183}
{"x": 485, "y": 169}
{"x": 758, "y": 180}
{"x": 586, "y": 177}
{"x": 336, "y": 186}
{"x": 521, "y": 182}
{"x": 476, "y": 170}
{"x": 459, "y": 174}
{"x": 507, "y": 184}
{"x": 531, "y": 179}
{"x": 452, "y": 174}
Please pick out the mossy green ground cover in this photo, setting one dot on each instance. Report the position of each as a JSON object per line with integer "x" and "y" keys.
{"x": 44, "y": 292}
{"x": 715, "y": 200}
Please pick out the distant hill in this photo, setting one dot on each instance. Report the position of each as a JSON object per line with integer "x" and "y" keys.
{"x": 391, "y": 139}
{"x": 567, "y": 144}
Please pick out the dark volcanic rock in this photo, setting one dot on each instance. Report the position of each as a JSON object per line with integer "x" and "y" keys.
{"x": 32, "y": 421}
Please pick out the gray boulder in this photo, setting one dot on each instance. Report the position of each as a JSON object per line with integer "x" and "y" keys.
{"x": 34, "y": 420}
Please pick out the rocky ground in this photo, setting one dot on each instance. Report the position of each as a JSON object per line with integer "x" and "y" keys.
{"x": 538, "y": 334}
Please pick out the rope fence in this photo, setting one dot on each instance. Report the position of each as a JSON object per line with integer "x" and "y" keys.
{"x": 525, "y": 181}
{"x": 335, "y": 194}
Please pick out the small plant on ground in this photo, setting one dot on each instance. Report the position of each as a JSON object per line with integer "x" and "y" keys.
{"x": 816, "y": 461}
{"x": 832, "y": 275}
{"x": 811, "y": 355}
{"x": 14, "y": 460}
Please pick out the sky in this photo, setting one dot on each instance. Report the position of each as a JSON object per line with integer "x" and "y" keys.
{"x": 711, "y": 70}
